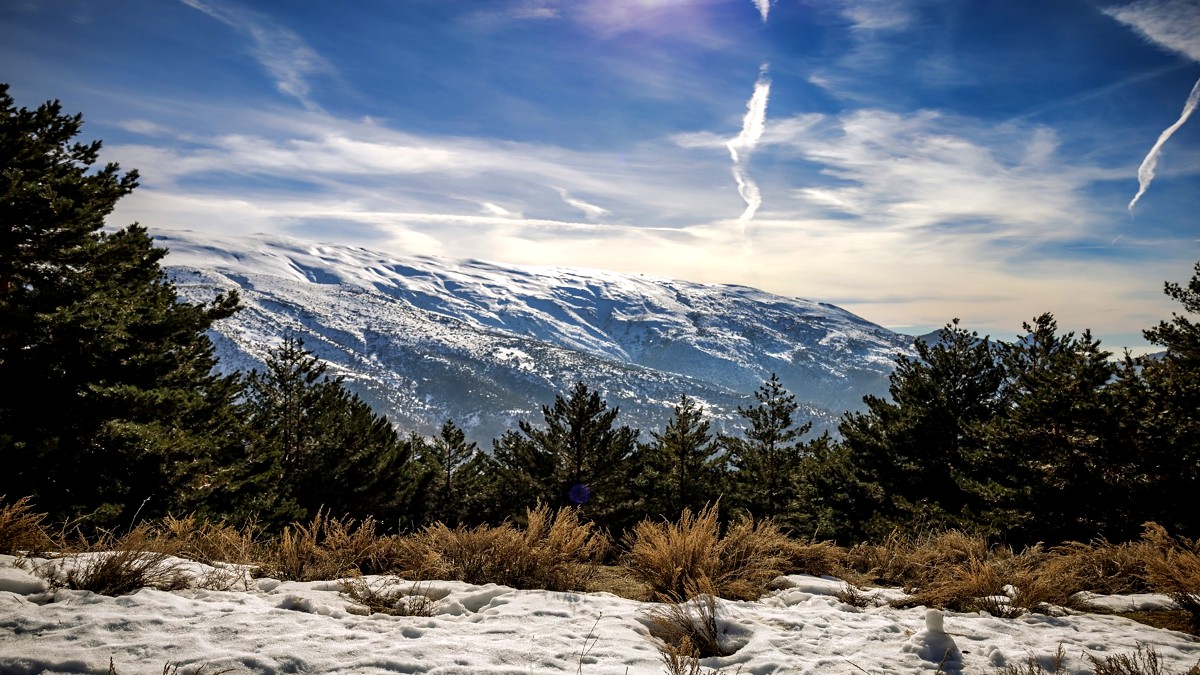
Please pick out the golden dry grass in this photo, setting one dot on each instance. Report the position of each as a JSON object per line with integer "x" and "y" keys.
{"x": 555, "y": 551}
{"x": 1173, "y": 567}
{"x": 21, "y": 528}
{"x": 209, "y": 542}
{"x": 676, "y": 558}
{"x": 327, "y": 548}
{"x": 122, "y": 565}
{"x": 687, "y": 627}
{"x": 817, "y": 558}
{"x": 916, "y": 561}
{"x": 661, "y": 560}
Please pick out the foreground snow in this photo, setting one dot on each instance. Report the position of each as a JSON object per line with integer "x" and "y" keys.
{"x": 268, "y": 626}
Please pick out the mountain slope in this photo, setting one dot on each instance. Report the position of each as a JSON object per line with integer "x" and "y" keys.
{"x": 425, "y": 339}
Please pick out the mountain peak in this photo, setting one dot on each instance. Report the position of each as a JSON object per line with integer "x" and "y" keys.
{"x": 426, "y": 338}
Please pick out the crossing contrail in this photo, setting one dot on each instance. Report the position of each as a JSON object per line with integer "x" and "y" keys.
{"x": 743, "y": 144}
{"x": 1146, "y": 170}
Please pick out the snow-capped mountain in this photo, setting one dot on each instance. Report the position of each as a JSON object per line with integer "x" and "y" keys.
{"x": 425, "y": 339}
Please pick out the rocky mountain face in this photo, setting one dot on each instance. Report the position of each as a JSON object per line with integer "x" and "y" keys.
{"x": 424, "y": 339}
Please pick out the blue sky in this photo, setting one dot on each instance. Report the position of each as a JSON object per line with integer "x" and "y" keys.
{"x": 910, "y": 160}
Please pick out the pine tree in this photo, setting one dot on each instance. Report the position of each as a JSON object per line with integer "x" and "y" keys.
{"x": 1053, "y": 437}
{"x": 450, "y": 466}
{"x": 109, "y": 405}
{"x": 681, "y": 466}
{"x": 329, "y": 449}
{"x": 1166, "y": 395}
{"x": 920, "y": 458}
{"x": 766, "y": 462}
{"x": 579, "y": 458}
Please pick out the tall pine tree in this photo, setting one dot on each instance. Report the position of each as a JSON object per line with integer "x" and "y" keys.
{"x": 109, "y": 405}
{"x": 919, "y": 458}
{"x": 1166, "y": 394}
{"x": 767, "y": 459}
{"x": 1059, "y": 471}
{"x": 681, "y": 467}
{"x": 326, "y": 445}
{"x": 578, "y": 458}
{"x": 450, "y": 481}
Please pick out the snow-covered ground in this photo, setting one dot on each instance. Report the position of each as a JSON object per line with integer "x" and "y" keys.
{"x": 268, "y": 626}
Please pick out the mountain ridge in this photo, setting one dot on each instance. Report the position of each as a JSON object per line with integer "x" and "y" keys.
{"x": 424, "y": 338}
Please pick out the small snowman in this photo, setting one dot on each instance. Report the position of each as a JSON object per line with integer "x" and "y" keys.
{"x": 935, "y": 645}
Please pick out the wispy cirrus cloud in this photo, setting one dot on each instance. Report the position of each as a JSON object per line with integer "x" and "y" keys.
{"x": 386, "y": 169}
{"x": 590, "y": 211}
{"x": 1172, "y": 24}
{"x": 286, "y": 57}
{"x": 877, "y": 15}
{"x": 883, "y": 170}
{"x": 929, "y": 170}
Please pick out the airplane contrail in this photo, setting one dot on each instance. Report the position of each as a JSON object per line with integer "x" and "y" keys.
{"x": 744, "y": 143}
{"x": 764, "y": 8}
{"x": 1146, "y": 170}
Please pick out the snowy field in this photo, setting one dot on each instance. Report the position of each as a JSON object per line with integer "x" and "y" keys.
{"x": 268, "y": 626}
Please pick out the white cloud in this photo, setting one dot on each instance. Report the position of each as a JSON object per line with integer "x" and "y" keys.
{"x": 285, "y": 56}
{"x": 1173, "y": 24}
{"x": 877, "y": 15}
{"x": 763, "y": 7}
{"x": 590, "y": 211}
{"x": 497, "y": 210}
{"x": 927, "y": 170}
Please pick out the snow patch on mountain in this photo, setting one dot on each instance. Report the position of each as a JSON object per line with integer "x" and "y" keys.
{"x": 426, "y": 338}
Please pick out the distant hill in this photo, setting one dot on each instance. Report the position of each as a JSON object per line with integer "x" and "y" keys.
{"x": 425, "y": 339}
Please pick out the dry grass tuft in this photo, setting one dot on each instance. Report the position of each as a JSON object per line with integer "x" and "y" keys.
{"x": 1143, "y": 662}
{"x": 391, "y": 596}
{"x": 21, "y": 529}
{"x": 1101, "y": 567}
{"x": 816, "y": 558}
{"x": 1173, "y": 567}
{"x": 688, "y": 627}
{"x": 970, "y": 586}
{"x": 916, "y": 561}
{"x": 327, "y": 548}
{"x": 963, "y": 574}
{"x": 554, "y": 552}
{"x": 171, "y": 669}
{"x": 676, "y": 558}
{"x": 210, "y": 543}
{"x": 853, "y": 596}
{"x": 123, "y": 565}
{"x": 1033, "y": 666}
